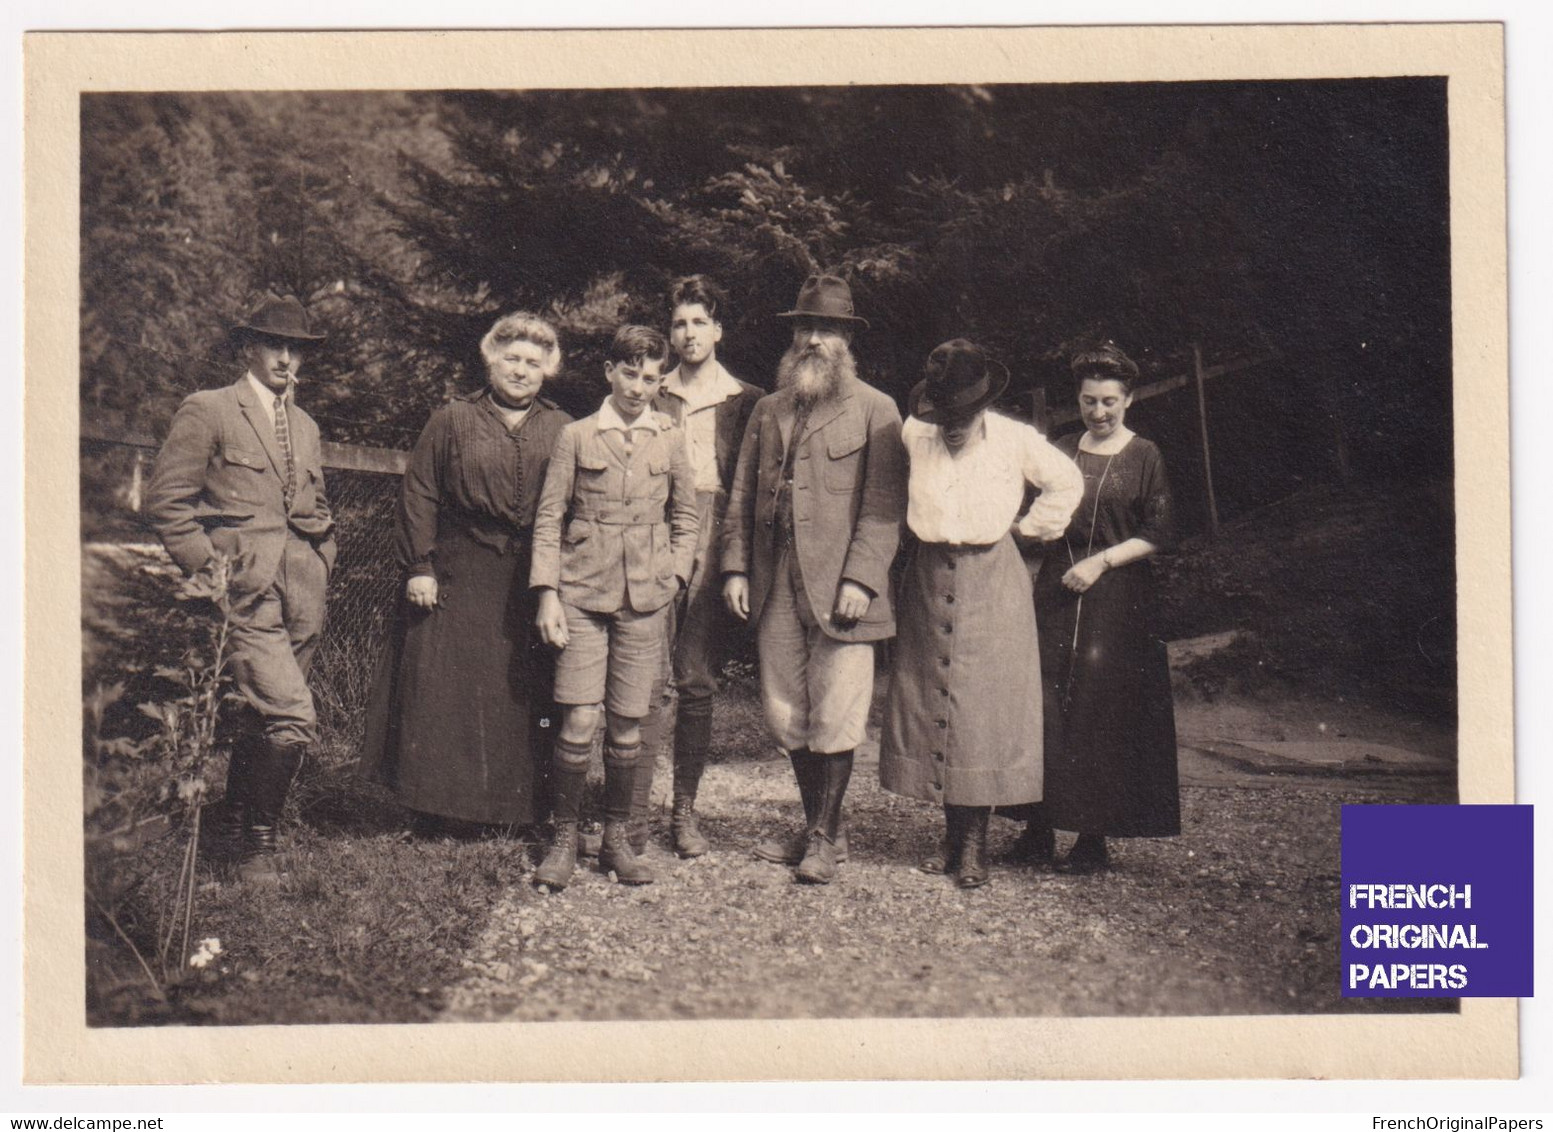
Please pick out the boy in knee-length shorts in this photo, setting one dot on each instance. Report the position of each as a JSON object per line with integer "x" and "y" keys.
{"x": 614, "y": 542}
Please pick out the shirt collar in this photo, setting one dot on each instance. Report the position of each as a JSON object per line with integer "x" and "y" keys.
{"x": 609, "y": 419}
{"x": 718, "y": 387}
{"x": 935, "y": 435}
{"x": 266, "y": 394}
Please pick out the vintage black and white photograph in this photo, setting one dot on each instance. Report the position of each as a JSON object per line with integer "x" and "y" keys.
{"x": 705, "y": 553}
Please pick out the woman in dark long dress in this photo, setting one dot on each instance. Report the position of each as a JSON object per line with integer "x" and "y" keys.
{"x": 1109, "y": 719}
{"x": 458, "y": 726}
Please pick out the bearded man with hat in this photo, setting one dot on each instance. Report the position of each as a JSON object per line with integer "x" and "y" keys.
{"x": 962, "y": 721}
{"x": 812, "y": 526}
{"x": 241, "y": 474}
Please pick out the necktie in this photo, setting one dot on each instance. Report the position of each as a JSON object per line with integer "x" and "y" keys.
{"x": 283, "y": 438}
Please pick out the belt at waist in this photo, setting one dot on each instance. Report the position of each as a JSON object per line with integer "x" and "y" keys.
{"x": 646, "y": 516}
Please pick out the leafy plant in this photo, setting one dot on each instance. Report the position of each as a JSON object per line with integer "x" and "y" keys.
{"x": 137, "y": 787}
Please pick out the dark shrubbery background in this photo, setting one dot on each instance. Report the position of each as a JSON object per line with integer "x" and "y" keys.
{"x": 1306, "y": 218}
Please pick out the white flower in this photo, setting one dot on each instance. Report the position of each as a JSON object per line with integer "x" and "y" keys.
{"x": 207, "y": 951}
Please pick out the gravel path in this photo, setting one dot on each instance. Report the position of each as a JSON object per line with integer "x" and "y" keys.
{"x": 1238, "y": 915}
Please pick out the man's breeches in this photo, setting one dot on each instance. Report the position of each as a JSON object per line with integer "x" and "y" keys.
{"x": 815, "y": 689}
{"x": 274, "y": 634}
{"x": 700, "y": 623}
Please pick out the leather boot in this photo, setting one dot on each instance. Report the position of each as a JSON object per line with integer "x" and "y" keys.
{"x": 641, "y": 802}
{"x": 946, "y": 858}
{"x": 688, "y": 838}
{"x": 616, "y": 855}
{"x": 790, "y": 850}
{"x": 660, "y": 716}
{"x": 273, "y": 766}
{"x": 1036, "y": 844}
{"x": 568, "y": 778}
{"x": 229, "y": 821}
{"x": 1088, "y": 855}
{"x": 819, "y": 860}
{"x": 228, "y": 829}
{"x": 973, "y": 846}
{"x": 692, "y": 741}
{"x": 261, "y": 855}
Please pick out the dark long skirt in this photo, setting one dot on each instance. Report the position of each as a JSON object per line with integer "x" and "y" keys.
{"x": 962, "y": 722}
{"x": 1110, "y": 720}
{"x": 460, "y": 720}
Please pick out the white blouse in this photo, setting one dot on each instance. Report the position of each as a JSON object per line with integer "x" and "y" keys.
{"x": 972, "y": 497}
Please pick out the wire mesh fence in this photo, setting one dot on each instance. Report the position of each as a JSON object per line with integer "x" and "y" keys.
{"x": 122, "y": 557}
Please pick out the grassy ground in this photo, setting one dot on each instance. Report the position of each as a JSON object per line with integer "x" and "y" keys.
{"x": 1238, "y": 915}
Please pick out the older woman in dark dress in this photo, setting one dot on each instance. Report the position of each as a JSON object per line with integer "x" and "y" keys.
{"x": 459, "y": 721}
{"x": 1109, "y": 720}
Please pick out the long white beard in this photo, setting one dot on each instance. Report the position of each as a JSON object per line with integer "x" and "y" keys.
{"x": 815, "y": 372}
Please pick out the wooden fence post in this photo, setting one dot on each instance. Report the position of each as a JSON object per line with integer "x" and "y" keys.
{"x": 1207, "y": 457}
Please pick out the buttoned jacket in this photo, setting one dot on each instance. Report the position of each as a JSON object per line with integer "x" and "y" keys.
{"x": 849, "y": 499}
{"x": 616, "y": 531}
{"x": 218, "y": 485}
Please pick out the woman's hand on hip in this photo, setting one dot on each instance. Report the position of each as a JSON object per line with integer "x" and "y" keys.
{"x": 1084, "y": 574}
{"x": 421, "y": 591}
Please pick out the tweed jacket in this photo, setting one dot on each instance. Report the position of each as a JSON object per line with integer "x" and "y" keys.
{"x": 218, "y": 486}
{"x": 849, "y": 499}
{"x": 616, "y": 532}
{"x": 732, "y": 417}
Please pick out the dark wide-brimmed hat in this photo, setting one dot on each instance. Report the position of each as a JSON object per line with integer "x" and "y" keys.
{"x": 278, "y": 316}
{"x": 961, "y": 381}
{"x": 825, "y": 297}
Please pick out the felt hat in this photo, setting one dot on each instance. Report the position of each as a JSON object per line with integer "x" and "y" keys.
{"x": 278, "y": 316}
{"x": 825, "y": 297}
{"x": 961, "y": 381}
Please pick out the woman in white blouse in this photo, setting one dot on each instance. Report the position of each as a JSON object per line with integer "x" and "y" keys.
{"x": 962, "y": 724}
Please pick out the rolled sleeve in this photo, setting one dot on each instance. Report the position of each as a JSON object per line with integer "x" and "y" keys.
{"x": 1060, "y": 482}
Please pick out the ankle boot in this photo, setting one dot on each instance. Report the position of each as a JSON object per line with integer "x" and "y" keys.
{"x": 274, "y": 764}
{"x": 616, "y": 855}
{"x": 819, "y": 860}
{"x": 946, "y": 858}
{"x": 555, "y": 871}
{"x": 568, "y": 778}
{"x": 1036, "y": 844}
{"x": 692, "y": 741}
{"x": 973, "y": 846}
{"x": 260, "y": 860}
{"x": 1088, "y": 855}
{"x": 688, "y": 839}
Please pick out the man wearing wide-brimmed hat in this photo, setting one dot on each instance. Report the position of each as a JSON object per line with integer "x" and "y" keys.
{"x": 813, "y": 523}
{"x": 241, "y": 474}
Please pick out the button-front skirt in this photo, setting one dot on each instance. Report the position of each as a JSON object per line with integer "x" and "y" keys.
{"x": 962, "y": 722}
